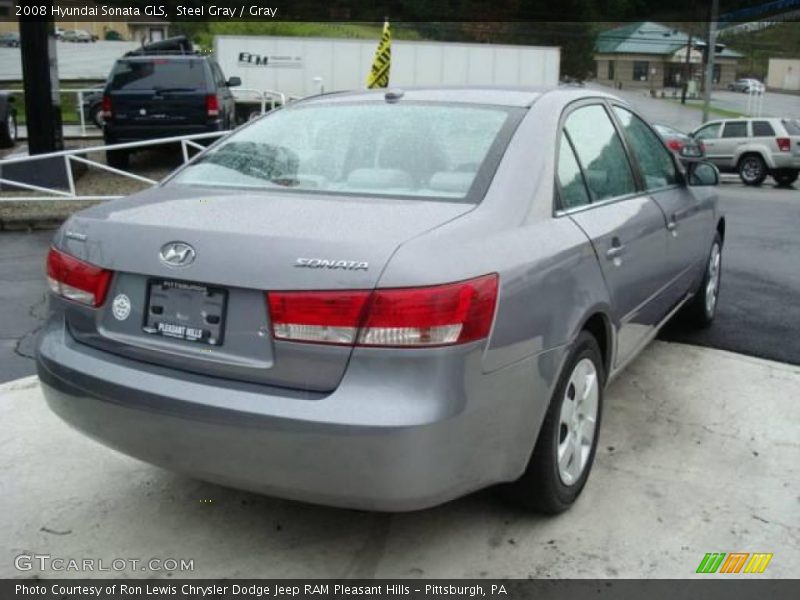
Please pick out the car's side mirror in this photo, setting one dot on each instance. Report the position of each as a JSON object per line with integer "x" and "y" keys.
{"x": 703, "y": 173}
{"x": 234, "y": 82}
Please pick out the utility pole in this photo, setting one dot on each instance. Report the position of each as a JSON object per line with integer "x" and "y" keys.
{"x": 686, "y": 69}
{"x": 712, "y": 50}
{"x": 40, "y": 80}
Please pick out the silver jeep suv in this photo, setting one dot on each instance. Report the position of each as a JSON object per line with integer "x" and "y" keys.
{"x": 754, "y": 148}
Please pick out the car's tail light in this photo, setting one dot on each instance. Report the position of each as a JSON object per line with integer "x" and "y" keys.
{"x": 76, "y": 280}
{"x": 212, "y": 105}
{"x": 784, "y": 144}
{"x": 674, "y": 144}
{"x": 105, "y": 107}
{"x": 440, "y": 315}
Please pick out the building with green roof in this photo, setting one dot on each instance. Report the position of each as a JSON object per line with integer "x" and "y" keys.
{"x": 653, "y": 56}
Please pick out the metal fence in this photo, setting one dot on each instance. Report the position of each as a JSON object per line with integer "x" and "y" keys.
{"x": 78, "y": 155}
{"x": 263, "y": 98}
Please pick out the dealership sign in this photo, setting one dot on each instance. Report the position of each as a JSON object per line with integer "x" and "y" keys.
{"x": 247, "y": 59}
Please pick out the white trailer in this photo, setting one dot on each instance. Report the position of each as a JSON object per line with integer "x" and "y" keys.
{"x": 299, "y": 66}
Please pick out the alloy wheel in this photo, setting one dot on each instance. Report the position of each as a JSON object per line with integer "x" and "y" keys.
{"x": 712, "y": 285}
{"x": 577, "y": 422}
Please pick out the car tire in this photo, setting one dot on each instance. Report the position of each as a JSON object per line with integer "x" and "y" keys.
{"x": 8, "y": 129}
{"x": 785, "y": 177}
{"x": 702, "y": 308}
{"x": 550, "y": 485}
{"x": 752, "y": 169}
{"x": 118, "y": 159}
{"x": 96, "y": 115}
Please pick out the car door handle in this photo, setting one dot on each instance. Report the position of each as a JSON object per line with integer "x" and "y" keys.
{"x": 616, "y": 249}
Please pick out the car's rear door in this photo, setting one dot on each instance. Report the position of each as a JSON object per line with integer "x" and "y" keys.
{"x": 600, "y": 193}
{"x": 158, "y": 91}
{"x": 686, "y": 219}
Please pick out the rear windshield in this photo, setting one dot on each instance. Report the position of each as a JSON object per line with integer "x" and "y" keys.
{"x": 158, "y": 73}
{"x": 440, "y": 151}
{"x": 792, "y": 126}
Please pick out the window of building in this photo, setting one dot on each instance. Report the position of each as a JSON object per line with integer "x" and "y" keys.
{"x": 763, "y": 129}
{"x": 600, "y": 152}
{"x": 611, "y": 69}
{"x": 735, "y": 129}
{"x": 640, "y": 70}
{"x": 717, "y": 73}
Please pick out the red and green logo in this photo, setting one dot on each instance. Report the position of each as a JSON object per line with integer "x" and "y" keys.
{"x": 734, "y": 562}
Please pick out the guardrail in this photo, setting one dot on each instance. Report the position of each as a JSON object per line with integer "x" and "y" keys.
{"x": 264, "y": 97}
{"x": 78, "y": 155}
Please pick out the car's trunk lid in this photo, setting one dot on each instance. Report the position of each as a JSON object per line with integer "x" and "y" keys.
{"x": 244, "y": 244}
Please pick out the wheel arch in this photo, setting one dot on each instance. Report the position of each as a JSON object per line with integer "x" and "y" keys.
{"x": 599, "y": 325}
{"x": 759, "y": 152}
{"x": 721, "y": 229}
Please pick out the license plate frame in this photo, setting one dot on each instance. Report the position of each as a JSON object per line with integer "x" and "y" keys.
{"x": 185, "y": 311}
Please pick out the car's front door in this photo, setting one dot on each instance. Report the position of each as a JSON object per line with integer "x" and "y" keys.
{"x": 709, "y": 135}
{"x": 625, "y": 226}
{"x": 686, "y": 220}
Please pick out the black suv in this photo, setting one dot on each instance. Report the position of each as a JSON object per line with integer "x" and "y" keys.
{"x": 163, "y": 90}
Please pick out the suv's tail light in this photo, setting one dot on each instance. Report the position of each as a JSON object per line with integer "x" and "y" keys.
{"x": 76, "y": 280}
{"x": 784, "y": 144}
{"x": 212, "y": 105}
{"x": 440, "y": 315}
{"x": 106, "y": 108}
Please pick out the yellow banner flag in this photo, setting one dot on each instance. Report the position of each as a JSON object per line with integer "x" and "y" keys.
{"x": 379, "y": 74}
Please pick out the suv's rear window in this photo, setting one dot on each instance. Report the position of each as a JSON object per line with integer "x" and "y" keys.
{"x": 158, "y": 73}
{"x": 792, "y": 126}
{"x": 404, "y": 149}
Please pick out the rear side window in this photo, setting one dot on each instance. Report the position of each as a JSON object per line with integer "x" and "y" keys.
{"x": 158, "y": 73}
{"x": 763, "y": 129}
{"x": 735, "y": 129}
{"x": 655, "y": 161}
{"x": 600, "y": 152}
{"x": 570, "y": 180}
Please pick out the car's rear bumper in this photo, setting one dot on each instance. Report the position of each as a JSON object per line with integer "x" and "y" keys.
{"x": 436, "y": 429}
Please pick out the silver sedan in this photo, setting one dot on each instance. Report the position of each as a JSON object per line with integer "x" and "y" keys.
{"x": 383, "y": 300}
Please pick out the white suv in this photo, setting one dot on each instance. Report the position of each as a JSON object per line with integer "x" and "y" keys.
{"x": 754, "y": 148}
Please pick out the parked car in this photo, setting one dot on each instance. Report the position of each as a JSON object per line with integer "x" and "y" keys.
{"x": 8, "y": 121}
{"x": 158, "y": 93}
{"x": 370, "y": 299}
{"x": 9, "y": 40}
{"x": 93, "y": 108}
{"x": 59, "y": 32}
{"x": 754, "y": 148}
{"x": 677, "y": 140}
{"x": 747, "y": 86}
{"x": 77, "y": 35}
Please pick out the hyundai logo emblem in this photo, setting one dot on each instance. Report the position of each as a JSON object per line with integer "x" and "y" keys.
{"x": 177, "y": 254}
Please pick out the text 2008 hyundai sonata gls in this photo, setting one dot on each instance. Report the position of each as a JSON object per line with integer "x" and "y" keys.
{"x": 383, "y": 300}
